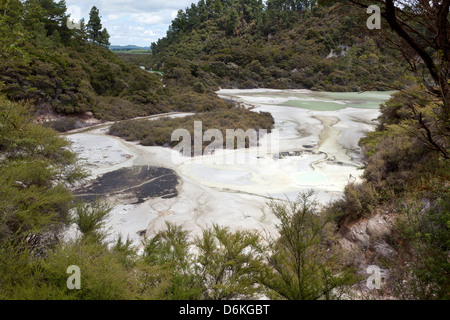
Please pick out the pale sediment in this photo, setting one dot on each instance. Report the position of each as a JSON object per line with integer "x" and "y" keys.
{"x": 319, "y": 150}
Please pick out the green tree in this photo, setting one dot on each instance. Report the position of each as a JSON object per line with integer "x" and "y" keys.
{"x": 90, "y": 219}
{"x": 233, "y": 22}
{"x": 301, "y": 264}
{"x": 82, "y": 32}
{"x": 9, "y": 11}
{"x": 104, "y": 38}
{"x": 36, "y": 166}
{"x": 51, "y": 14}
{"x": 94, "y": 26}
{"x": 218, "y": 265}
{"x": 228, "y": 264}
{"x": 167, "y": 273}
{"x": 423, "y": 270}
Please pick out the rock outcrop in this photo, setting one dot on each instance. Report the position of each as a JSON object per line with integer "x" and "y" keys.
{"x": 368, "y": 242}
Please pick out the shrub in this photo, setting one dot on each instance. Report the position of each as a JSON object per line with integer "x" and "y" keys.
{"x": 159, "y": 132}
{"x": 300, "y": 264}
{"x": 90, "y": 218}
{"x": 63, "y": 124}
{"x": 422, "y": 268}
{"x": 199, "y": 87}
{"x": 360, "y": 200}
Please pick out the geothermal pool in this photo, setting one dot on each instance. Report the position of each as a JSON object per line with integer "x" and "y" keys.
{"x": 318, "y": 134}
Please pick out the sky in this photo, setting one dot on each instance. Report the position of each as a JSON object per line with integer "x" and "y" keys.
{"x": 131, "y": 22}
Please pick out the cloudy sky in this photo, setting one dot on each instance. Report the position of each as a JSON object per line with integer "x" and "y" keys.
{"x": 131, "y": 21}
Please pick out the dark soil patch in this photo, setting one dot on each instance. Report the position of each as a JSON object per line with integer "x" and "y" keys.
{"x": 139, "y": 182}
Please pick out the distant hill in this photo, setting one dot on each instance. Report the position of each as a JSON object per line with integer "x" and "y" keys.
{"x": 129, "y": 48}
{"x": 250, "y": 44}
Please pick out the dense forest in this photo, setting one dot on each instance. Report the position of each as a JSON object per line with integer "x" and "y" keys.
{"x": 48, "y": 68}
{"x": 281, "y": 44}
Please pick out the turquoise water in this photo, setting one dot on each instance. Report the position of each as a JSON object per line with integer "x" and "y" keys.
{"x": 317, "y": 101}
{"x": 334, "y": 101}
{"x": 310, "y": 178}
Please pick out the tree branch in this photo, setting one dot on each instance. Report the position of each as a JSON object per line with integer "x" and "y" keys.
{"x": 391, "y": 18}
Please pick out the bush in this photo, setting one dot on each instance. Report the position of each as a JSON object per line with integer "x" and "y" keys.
{"x": 159, "y": 132}
{"x": 90, "y": 219}
{"x": 199, "y": 87}
{"x": 301, "y": 265}
{"x": 103, "y": 274}
{"x": 35, "y": 166}
{"x": 63, "y": 124}
{"x": 422, "y": 268}
{"x": 360, "y": 200}
{"x": 116, "y": 109}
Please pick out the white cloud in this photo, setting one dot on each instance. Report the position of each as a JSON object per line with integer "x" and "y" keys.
{"x": 131, "y": 22}
{"x": 148, "y": 18}
{"x": 112, "y": 17}
{"x": 75, "y": 12}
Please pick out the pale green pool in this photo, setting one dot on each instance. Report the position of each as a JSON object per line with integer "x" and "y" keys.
{"x": 333, "y": 101}
{"x": 310, "y": 178}
{"x": 317, "y": 101}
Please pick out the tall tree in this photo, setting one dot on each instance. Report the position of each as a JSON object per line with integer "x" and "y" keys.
{"x": 51, "y": 14}
{"x": 232, "y": 22}
{"x": 104, "y": 38}
{"x": 94, "y": 26}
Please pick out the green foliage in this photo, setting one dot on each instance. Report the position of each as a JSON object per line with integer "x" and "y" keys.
{"x": 168, "y": 247}
{"x": 57, "y": 69}
{"x": 19, "y": 274}
{"x": 96, "y": 34}
{"x": 104, "y": 38}
{"x": 90, "y": 219}
{"x": 125, "y": 251}
{"x": 360, "y": 200}
{"x": 159, "y": 132}
{"x": 103, "y": 276}
{"x": 281, "y": 44}
{"x": 35, "y": 165}
{"x": 218, "y": 265}
{"x": 424, "y": 229}
{"x": 168, "y": 256}
{"x": 302, "y": 263}
{"x": 94, "y": 26}
{"x": 228, "y": 264}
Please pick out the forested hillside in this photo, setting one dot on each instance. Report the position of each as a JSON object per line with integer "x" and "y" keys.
{"x": 281, "y": 44}
{"x": 68, "y": 70}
